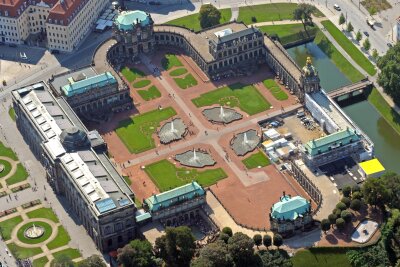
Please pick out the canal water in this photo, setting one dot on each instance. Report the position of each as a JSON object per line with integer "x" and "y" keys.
{"x": 385, "y": 138}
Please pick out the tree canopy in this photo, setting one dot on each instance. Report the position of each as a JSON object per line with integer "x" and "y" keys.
{"x": 389, "y": 78}
{"x": 240, "y": 246}
{"x": 62, "y": 261}
{"x": 375, "y": 192}
{"x": 92, "y": 261}
{"x": 303, "y": 12}
{"x": 136, "y": 253}
{"x": 209, "y": 16}
{"x": 214, "y": 255}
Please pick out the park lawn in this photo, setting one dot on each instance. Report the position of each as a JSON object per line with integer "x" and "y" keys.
{"x": 47, "y": 233}
{"x": 289, "y": 33}
{"x": 72, "y": 253}
{"x": 7, "y": 152}
{"x": 275, "y": 90}
{"x": 23, "y": 253}
{"x": 62, "y": 239}
{"x": 266, "y": 12}
{"x": 192, "y": 21}
{"x": 166, "y": 176}
{"x": 149, "y": 94}
{"x": 136, "y": 132}
{"x": 374, "y": 6}
{"x": 127, "y": 179}
{"x": 138, "y": 204}
{"x": 141, "y": 83}
{"x": 131, "y": 74}
{"x": 255, "y": 160}
{"x": 46, "y": 213}
{"x": 19, "y": 175}
{"x": 40, "y": 262}
{"x": 311, "y": 258}
{"x": 245, "y": 97}
{"x": 350, "y": 48}
{"x": 390, "y": 115}
{"x": 8, "y": 225}
{"x": 7, "y": 168}
{"x": 11, "y": 112}
{"x": 337, "y": 58}
{"x": 169, "y": 61}
{"x": 186, "y": 82}
{"x": 178, "y": 72}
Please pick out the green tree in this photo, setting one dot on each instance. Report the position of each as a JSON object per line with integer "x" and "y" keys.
{"x": 346, "y": 216}
{"x": 92, "y": 261}
{"x": 240, "y": 246}
{"x": 355, "y": 188}
{"x": 355, "y": 204}
{"x": 274, "y": 258}
{"x": 357, "y": 195}
{"x": 350, "y": 27}
{"x": 257, "y": 238}
{"x": 267, "y": 241}
{"x": 373, "y": 256}
{"x": 228, "y": 231}
{"x": 342, "y": 19}
{"x": 358, "y": 36}
{"x": 375, "y": 192}
{"x": 346, "y": 201}
{"x": 340, "y": 223}
{"x": 303, "y": 12}
{"x": 136, "y": 253}
{"x": 224, "y": 237}
{"x": 346, "y": 191}
{"x": 341, "y": 206}
{"x": 62, "y": 261}
{"x": 278, "y": 240}
{"x": 367, "y": 44}
{"x": 332, "y": 218}
{"x": 325, "y": 225}
{"x": 389, "y": 77}
{"x": 391, "y": 182}
{"x": 176, "y": 247}
{"x": 375, "y": 54}
{"x": 214, "y": 255}
{"x": 209, "y": 16}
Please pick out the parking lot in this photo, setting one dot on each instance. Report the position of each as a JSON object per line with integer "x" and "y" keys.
{"x": 342, "y": 172}
{"x": 301, "y": 131}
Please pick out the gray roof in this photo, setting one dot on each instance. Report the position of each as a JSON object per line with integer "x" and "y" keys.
{"x": 62, "y": 79}
{"x": 237, "y": 35}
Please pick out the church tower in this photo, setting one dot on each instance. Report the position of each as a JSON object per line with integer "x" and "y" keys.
{"x": 309, "y": 78}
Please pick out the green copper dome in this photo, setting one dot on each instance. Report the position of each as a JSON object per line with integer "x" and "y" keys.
{"x": 128, "y": 19}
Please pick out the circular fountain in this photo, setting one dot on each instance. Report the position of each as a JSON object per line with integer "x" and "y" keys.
{"x": 1, "y": 168}
{"x": 34, "y": 232}
{"x": 193, "y": 158}
{"x": 172, "y": 131}
{"x": 222, "y": 115}
{"x": 245, "y": 142}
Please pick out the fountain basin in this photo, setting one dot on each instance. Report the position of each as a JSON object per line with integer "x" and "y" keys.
{"x": 1, "y": 167}
{"x": 196, "y": 159}
{"x": 172, "y": 131}
{"x": 221, "y": 115}
{"x": 34, "y": 232}
{"x": 245, "y": 142}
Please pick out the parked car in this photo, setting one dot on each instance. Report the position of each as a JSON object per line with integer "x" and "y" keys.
{"x": 389, "y": 44}
{"x": 55, "y": 51}
{"x": 337, "y": 7}
{"x": 366, "y": 33}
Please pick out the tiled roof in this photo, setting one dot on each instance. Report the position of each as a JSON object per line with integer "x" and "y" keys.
{"x": 82, "y": 86}
{"x": 290, "y": 207}
{"x": 12, "y": 6}
{"x": 127, "y": 19}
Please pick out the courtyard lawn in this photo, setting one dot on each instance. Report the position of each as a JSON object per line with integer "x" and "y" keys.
{"x": 131, "y": 74}
{"x": 8, "y": 225}
{"x": 46, "y": 213}
{"x": 350, "y": 48}
{"x": 138, "y": 204}
{"x": 149, "y": 94}
{"x": 141, "y": 83}
{"x": 47, "y": 233}
{"x": 169, "y": 61}
{"x": 255, "y": 160}
{"x": 390, "y": 115}
{"x": 70, "y": 252}
{"x": 7, "y": 168}
{"x": 136, "y": 132}
{"x": 11, "y": 112}
{"x": 245, "y": 97}
{"x": 275, "y": 89}
{"x": 317, "y": 258}
{"x": 62, "y": 239}
{"x": 127, "y": 179}
{"x": 337, "y": 58}
{"x": 23, "y": 253}
{"x": 186, "y": 82}
{"x": 40, "y": 262}
{"x": 192, "y": 21}
{"x": 19, "y": 175}
{"x": 289, "y": 33}
{"x": 266, "y": 12}
{"x": 7, "y": 152}
{"x": 166, "y": 176}
{"x": 178, "y": 72}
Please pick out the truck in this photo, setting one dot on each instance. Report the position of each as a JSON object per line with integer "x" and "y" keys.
{"x": 371, "y": 22}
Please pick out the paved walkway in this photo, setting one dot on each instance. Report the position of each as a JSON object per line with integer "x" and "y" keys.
{"x": 278, "y": 22}
{"x": 3, "y": 183}
{"x": 235, "y": 13}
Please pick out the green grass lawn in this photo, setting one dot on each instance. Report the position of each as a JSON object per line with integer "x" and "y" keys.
{"x": 178, "y": 72}
{"x": 266, "y": 12}
{"x": 255, "y": 160}
{"x": 62, "y": 239}
{"x": 138, "y": 203}
{"x": 374, "y": 6}
{"x": 47, "y": 233}
{"x": 141, "y": 83}
{"x": 19, "y": 175}
{"x": 311, "y": 258}
{"x": 11, "y": 112}
{"x": 192, "y": 21}
{"x": 7, "y": 152}
{"x": 245, "y": 97}
{"x": 337, "y": 58}
{"x": 40, "y": 262}
{"x": 23, "y": 253}
{"x": 391, "y": 116}
{"x": 166, "y": 176}
{"x": 275, "y": 90}
{"x": 149, "y": 94}
{"x": 70, "y": 252}
{"x": 169, "y": 61}
{"x": 131, "y": 74}
{"x": 8, "y": 225}
{"x": 289, "y": 33}
{"x": 136, "y": 131}
{"x": 46, "y": 213}
{"x": 7, "y": 168}
{"x": 127, "y": 180}
{"x": 186, "y": 82}
{"x": 350, "y": 48}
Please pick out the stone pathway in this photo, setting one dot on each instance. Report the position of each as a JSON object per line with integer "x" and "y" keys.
{"x": 278, "y": 22}
{"x": 4, "y": 186}
{"x": 235, "y": 13}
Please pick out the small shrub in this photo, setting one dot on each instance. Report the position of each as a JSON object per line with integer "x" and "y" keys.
{"x": 346, "y": 201}
{"x": 355, "y": 204}
{"x": 346, "y": 191}
{"x": 332, "y": 218}
{"x": 228, "y": 231}
{"x": 253, "y": 19}
{"x": 340, "y": 223}
{"x": 355, "y": 188}
{"x": 341, "y": 206}
{"x": 346, "y": 216}
{"x": 357, "y": 195}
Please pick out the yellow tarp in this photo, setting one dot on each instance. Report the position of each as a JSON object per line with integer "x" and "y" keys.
{"x": 372, "y": 166}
